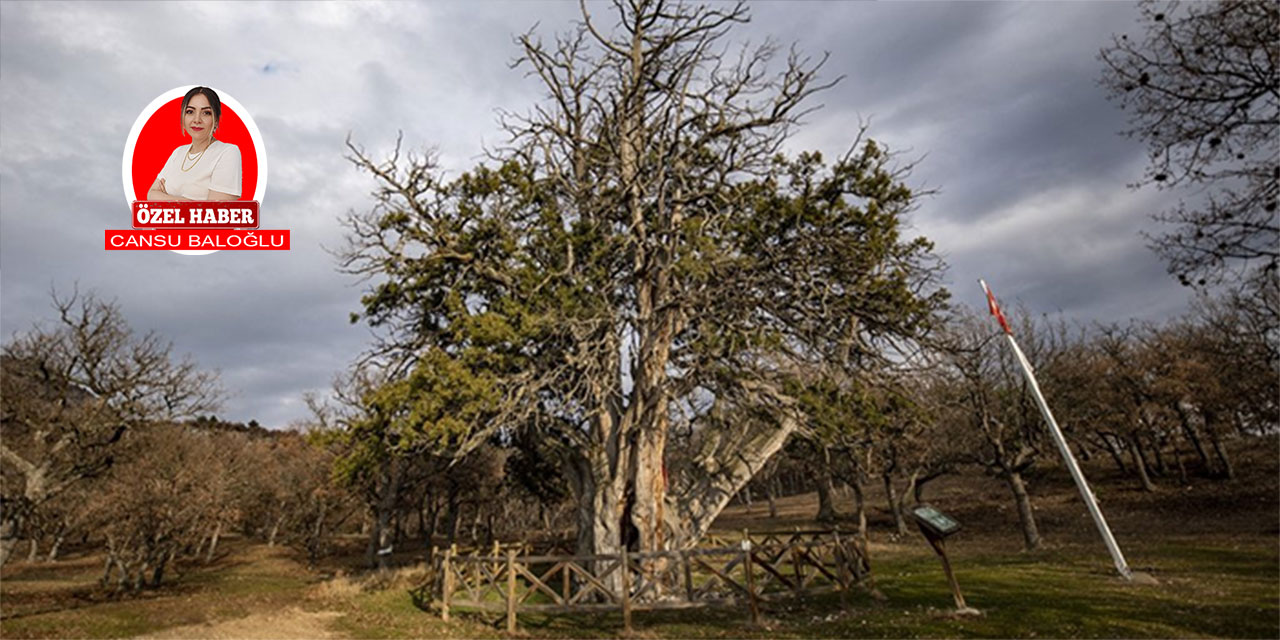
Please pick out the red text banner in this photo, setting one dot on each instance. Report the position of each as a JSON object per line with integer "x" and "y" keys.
{"x": 197, "y": 240}
{"x": 192, "y": 214}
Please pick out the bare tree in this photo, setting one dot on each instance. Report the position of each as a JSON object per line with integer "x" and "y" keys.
{"x": 70, "y": 392}
{"x": 987, "y": 392}
{"x": 157, "y": 503}
{"x": 1201, "y": 90}
{"x": 1127, "y": 388}
{"x": 315, "y": 506}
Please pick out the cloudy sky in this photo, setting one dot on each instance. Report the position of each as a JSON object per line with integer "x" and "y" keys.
{"x": 1000, "y": 99}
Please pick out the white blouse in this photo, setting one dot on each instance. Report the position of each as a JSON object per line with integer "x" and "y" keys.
{"x": 217, "y": 170}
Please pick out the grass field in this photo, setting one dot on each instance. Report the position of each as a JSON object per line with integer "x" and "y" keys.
{"x": 1212, "y": 546}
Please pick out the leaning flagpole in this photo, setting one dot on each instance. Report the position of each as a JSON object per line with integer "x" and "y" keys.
{"x": 1067, "y": 456}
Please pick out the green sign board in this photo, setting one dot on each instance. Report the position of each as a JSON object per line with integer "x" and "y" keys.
{"x": 935, "y": 521}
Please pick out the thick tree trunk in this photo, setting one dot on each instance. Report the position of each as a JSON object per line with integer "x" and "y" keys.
{"x": 33, "y": 550}
{"x": 770, "y": 491}
{"x": 706, "y": 490}
{"x": 599, "y": 512}
{"x": 452, "y": 517}
{"x": 380, "y": 542}
{"x": 891, "y": 496}
{"x": 1030, "y": 533}
{"x": 1140, "y": 465}
{"x": 35, "y": 492}
{"x": 450, "y": 507}
{"x": 648, "y": 482}
{"x": 656, "y": 325}
{"x": 859, "y": 508}
{"x": 822, "y": 481}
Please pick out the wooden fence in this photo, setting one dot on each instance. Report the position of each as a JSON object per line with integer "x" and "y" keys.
{"x": 755, "y": 567}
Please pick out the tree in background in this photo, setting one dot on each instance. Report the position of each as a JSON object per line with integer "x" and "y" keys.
{"x": 374, "y": 453}
{"x": 642, "y": 261}
{"x": 880, "y": 424}
{"x": 158, "y": 502}
{"x": 1201, "y": 90}
{"x": 394, "y": 437}
{"x": 982, "y": 388}
{"x": 71, "y": 391}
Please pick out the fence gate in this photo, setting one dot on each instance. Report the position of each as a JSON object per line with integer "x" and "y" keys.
{"x": 755, "y": 567}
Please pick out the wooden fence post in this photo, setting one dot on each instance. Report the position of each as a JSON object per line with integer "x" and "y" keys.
{"x": 511, "y": 590}
{"x": 750, "y": 577}
{"x": 795, "y": 564}
{"x": 446, "y": 584}
{"x": 626, "y": 592}
{"x": 564, "y": 575}
{"x": 838, "y": 557}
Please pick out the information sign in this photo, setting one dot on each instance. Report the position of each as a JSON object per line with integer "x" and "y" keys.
{"x": 936, "y": 522}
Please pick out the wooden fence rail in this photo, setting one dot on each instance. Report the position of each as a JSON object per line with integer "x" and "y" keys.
{"x": 755, "y": 567}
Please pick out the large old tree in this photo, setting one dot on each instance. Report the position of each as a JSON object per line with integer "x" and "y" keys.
{"x": 641, "y": 265}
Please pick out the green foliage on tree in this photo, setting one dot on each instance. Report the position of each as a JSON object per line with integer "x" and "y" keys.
{"x": 639, "y": 264}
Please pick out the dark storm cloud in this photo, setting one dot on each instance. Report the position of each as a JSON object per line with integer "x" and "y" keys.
{"x": 1001, "y": 102}
{"x": 999, "y": 98}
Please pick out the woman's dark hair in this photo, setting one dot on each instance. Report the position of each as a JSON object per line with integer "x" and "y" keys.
{"x": 209, "y": 95}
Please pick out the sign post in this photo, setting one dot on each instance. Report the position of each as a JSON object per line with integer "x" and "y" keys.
{"x": 936, "y": 527}
{"x": 1067, "y": 457}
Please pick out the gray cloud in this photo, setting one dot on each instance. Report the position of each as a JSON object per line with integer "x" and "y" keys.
{"x": 1000, "y": 98}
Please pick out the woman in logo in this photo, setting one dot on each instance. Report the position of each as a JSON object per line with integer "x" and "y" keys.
{"x": 207, "y": 169}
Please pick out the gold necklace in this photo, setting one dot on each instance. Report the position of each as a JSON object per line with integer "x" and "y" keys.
{"x": 200, "y": 155}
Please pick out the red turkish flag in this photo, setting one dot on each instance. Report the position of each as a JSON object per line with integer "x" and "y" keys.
{"x": 995, "y": 309}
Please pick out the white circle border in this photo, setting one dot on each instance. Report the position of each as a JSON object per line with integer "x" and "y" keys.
{"x": 259, "y": 149}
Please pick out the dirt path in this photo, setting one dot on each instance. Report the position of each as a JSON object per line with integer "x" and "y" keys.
{"x": 291, "y": 623}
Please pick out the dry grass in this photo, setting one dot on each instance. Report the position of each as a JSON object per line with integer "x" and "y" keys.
{"x": 345, "y": 585}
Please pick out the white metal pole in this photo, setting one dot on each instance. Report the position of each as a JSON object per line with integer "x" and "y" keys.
{"x": 1089, "y": 500}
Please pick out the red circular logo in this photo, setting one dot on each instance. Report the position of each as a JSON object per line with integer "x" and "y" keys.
{"x": 163, "y": 133}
